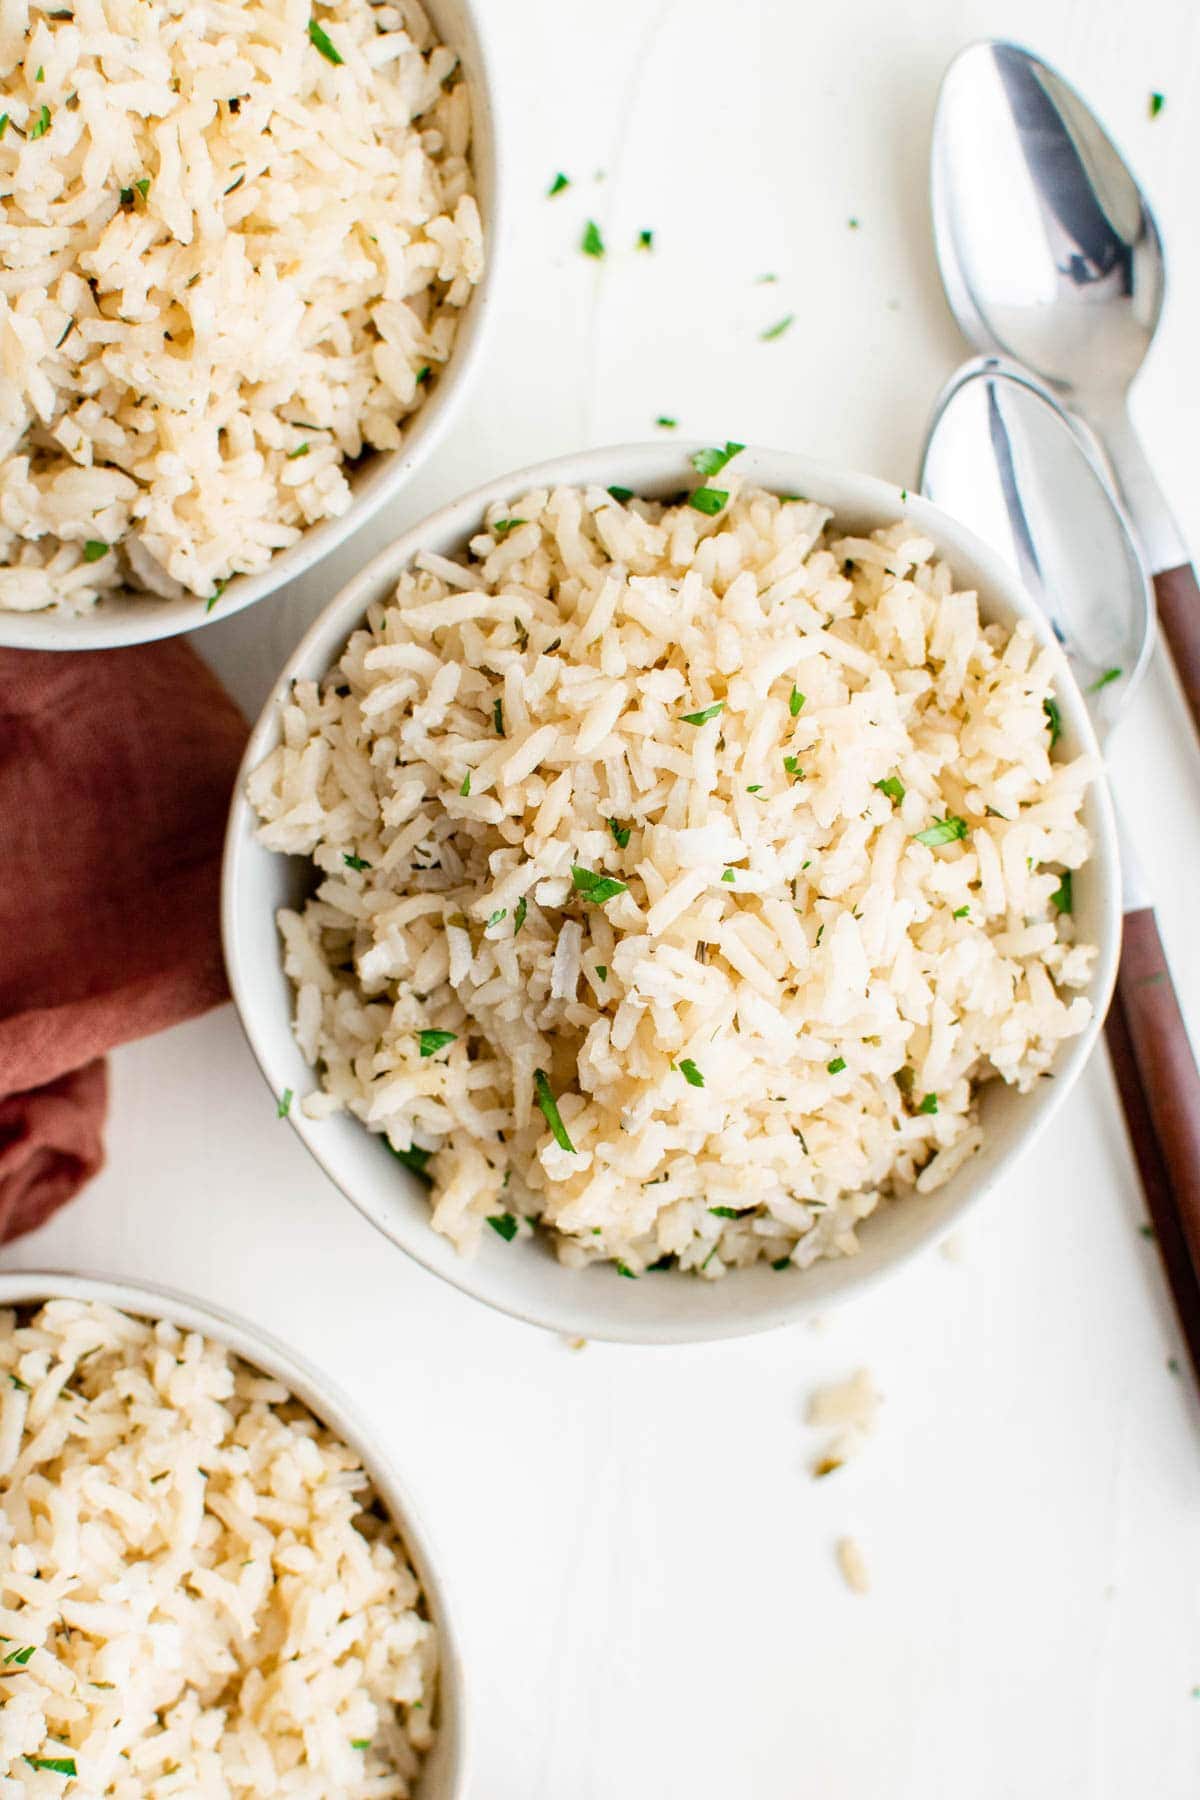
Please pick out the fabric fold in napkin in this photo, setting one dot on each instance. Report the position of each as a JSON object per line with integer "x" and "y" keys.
{"x": 116, "y": 770}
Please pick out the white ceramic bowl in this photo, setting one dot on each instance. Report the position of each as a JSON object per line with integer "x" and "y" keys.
{"x": 137, "y": 618}
{"x": 526, "y": 1279}
{"x": 444, "y": 1775}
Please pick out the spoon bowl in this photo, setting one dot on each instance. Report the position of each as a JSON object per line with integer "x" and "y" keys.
{"x": 1048, "y": 248}
{"x": 1004, "y": 458}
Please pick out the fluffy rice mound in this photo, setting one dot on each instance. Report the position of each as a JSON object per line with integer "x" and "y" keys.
{"x": 196, "y": 1596}
{"x": 232, "y": 254}
{"x": 743, "y": 832}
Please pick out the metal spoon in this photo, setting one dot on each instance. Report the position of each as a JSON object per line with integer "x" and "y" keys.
{"x": 1050, "y": 256}
{"x": 1002, "y": 457}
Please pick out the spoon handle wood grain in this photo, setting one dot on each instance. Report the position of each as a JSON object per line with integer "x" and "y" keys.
{"x": 1178, "y": 596}
{"x": 1156, "y": 1183}
{"x": 1165, "y": 1062}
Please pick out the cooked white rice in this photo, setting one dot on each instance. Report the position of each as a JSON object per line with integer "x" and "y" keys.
{"x": 228, "y": 265}
{"x": 730, "y": 692}
{"x": 196, "y": 1595}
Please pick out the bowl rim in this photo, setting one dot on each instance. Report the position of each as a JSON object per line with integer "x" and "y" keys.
{"x": 666, "y": 466}
{"x": 325, "y": 1399}
{"x": 145, "y": 619}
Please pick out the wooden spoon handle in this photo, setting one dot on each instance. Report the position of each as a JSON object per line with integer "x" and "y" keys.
{"x": 1166, "y": 1064}
{"x": 1178, "y": 596}
{"x": 1156, "y": 1183}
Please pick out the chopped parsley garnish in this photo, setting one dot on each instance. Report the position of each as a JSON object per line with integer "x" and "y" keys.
{"x": 544, "y": 1095}
{"x": 893, "y": 787}
{"x": 777, "y": 330}
{"x": 496, "y": 918}
{"x": 592, "y": 244}
{"x": 498, "y": 717}
{"x": 795, "y": 701}
{"x": 928, "y": 1104}
{"x": 691, "y": 1073}
{"x": 19, "y": 1657}
{"x": 3, "y": 124}
{"x": 93, "y": 550}
{"x": 233, "y": 186}
{"x": 596, "y": 889}
{"x": 666, "y": 423}
{"x": 727, "y": 1212}
{"x": 414, "y": 1158}
{"x": 944, "y": 831}
{"x": 620, "y": 833}
{"x": 560, "y": 182}
{"x": 729, "y": 875}
{"x": 37, "y": 130}
{"x": 624, "y": 1269}
{"x": 322, "y": 42}
{"x": 504, "y": 1225}
{"x": 53, "y": 1765}
{"x": 1062, "y": 895}
{"x": 820, "y": 935}
{"x": 300, "y": 450}
{"x": 1157, "y": 102}
{"x": 465, "y": 789}
{"x": 361, "y": 1743}
{"x": 792, "y": 765}
{"x": 782, "y": 1262}
{"x": 41, "y": 73}
{"x": 645, "y": 240}
{"x": 1050, "y": 708}
{"x": 621, "y": 494}
{"x": 602, "y": 971}
{"x": 960, "y": 912}
{"x": 143, "y": 186}
{"x": 1102, "y": 681}
{"x": 853, "y": 224}
{"x": 424, "y": 374}
{"x": 18, "y": 1383}
{"x": 218, "y": 589}
{"x": 837, "y": 1065}
{"x": 519, "y": 912}
{"x": 355, "y": 862}
{"x": 708, "y": 500}
{"x": 283, "y": 1105}
{"x": 432, "y": 1041}
{"x": 756, "y": 789}
{"x": 707, "y": 713}
{"x": 502, "y": 527}
{"x": 711, "y": 462}
{"x": 66, "y": 334}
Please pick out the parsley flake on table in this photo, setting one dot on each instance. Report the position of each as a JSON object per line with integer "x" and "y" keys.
{"x": 322, "y": 42}
{"x": 1102, "y": 681}
{"x": 645, "y": 240}
{"x": 777, "y": 330}
{"x": 666, "y": 423}
{"x": 284, "y": 1104}
{"x": 690, "y": 1072}
{"x": 504, "y": 1225}
{"x": 708, "y": 500}
{"x": 893, "y": 787}
{"x": 707, "y": 713}
{"x": 432, "y": 1041}
{"x": 711, "y": 462}
{"x": 592, "y": 244}
{"x": 1157, "y": 102}
{"x": 621, "y": 833}
{"x": 560, "y": 182}
{"x": 596, "y": 889}
{"x": 544, "y": 1095}
{"x": 942, "y": 831}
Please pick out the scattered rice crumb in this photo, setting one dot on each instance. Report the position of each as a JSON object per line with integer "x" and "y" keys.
{"x": 853, "y": 1566}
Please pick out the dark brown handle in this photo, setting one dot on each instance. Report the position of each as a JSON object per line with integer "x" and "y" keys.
{"x": 1156, "y": 1184}
{"x": 1163, "y": 1053}
{"x": 1178, "y": 597}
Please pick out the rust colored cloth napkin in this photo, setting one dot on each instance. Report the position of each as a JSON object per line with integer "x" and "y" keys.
{"x": 116, "y": 769}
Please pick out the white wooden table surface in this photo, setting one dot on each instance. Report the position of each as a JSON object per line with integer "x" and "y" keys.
{"x": 642, "y": 1562}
